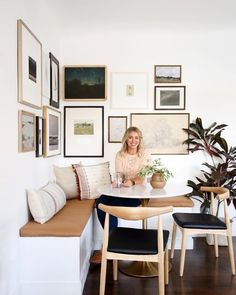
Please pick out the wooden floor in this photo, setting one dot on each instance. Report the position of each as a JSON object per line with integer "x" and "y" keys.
{"x": 203, "y": 275}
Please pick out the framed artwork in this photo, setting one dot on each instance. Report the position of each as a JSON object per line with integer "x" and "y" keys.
{"x": 26, "y": 133}
{"x": 84, "y": 131}
{"x": 167, "y": 74}
{"x": 51, "y": 132}
{"x": 169, "y": 97}
{"x": 39, "y": 137}
{"x": 54, "y": 81}
{"x": 117, "y": 126}
{"x": 129, "y": 90}
{"x": 163, "y": 132}
{"x": 46, "y": 74}
{"x": 29, "y": 67}
{"x": 85, "y": 83}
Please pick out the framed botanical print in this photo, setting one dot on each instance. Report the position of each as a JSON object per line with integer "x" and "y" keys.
{"x": 84, "y": 83}
{"x": 52, "y": 132}
{"x": 167, "y": 73}
{"x": 29, "y": 67}
{"x": 117, "y": 126}
{"x": 169, "y": 97}
{"x": 54, "y": 81}
{"x": 163, "y": 133}
{"x": 39, "y": 136}
{"x": 84, "y": 131}
{"x": 26, "y": 133}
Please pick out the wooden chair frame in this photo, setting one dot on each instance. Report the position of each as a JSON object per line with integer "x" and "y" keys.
{"x": 135, "y": 213}
{"x": 223, "y": 195}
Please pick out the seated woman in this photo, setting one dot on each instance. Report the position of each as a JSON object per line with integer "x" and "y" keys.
{"x": 129, "y": 161}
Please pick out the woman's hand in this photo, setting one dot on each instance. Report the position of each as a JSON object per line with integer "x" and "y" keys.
{"x": 127, "y": 183}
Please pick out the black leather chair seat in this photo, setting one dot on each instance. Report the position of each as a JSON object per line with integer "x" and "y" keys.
{"x": 135, "y": 241}
{"x": 198, "y": 221}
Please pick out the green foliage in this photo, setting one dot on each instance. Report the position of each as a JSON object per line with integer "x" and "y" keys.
{"x": 155, "y": 166}
{"x": 221, "y": 171}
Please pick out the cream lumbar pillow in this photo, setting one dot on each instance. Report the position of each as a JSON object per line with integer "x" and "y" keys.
{"x": 44, "y": 203}
{"x": 91, "y": 177}
{"x": 66, "y": 179}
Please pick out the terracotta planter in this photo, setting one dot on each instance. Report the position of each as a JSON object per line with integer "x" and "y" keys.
{"x": 157, "y": 181}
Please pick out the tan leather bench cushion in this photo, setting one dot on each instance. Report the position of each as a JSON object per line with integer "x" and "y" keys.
{"x": 180, "y": 201}
{"x": 68, "y": 222}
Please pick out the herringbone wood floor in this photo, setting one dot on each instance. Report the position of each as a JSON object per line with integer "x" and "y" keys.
{"x": 203, "y": 275}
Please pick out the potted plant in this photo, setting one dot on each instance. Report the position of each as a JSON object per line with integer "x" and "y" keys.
{"x": 221, "y": 167}
{"x": 159, "y": 173}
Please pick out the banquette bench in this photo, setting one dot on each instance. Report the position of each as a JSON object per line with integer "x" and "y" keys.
{"x": 54, "y": 257}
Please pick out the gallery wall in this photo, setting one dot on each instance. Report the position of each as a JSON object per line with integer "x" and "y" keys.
{"x": 208, "y": 64}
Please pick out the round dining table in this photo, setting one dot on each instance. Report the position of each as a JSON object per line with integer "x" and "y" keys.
{"x": 144, "y": 192}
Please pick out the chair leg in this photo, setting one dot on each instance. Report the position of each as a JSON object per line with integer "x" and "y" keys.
{"x": 166, "y": 265}
{"x": 115, "y": 266}
{"x": 103, "y": 275}
{"x": 161, "y": 275}
{"x": 173, "y": 240}
{"x": 231, "y": 254}
{"x": 183, "y": 251}
{"x": 216, "y": 246}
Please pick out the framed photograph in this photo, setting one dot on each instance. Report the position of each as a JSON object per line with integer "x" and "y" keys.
{"x": 54, "y": 81}
{"x": 117, "y": 126}
{"x": 129, "y": 90}
{"x": 85, "y": 83}
{"x": 46, "y": 75}
{"x": 52, "y": 132}
{"x": 163, "y": 132}
{"x": 29, "y": 67}
{"x": 39, "y": 137}
{"x": 169, "y": 98}
{"x": 26, "y": 133}
{"x": 167, "y": 74}
{"x": 84, "y": 131}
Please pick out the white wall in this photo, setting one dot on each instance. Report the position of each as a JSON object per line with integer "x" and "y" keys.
{"x": 209, "y": 71}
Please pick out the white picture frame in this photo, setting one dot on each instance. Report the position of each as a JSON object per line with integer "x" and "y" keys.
{"x": 83, "y": 131}
{"x": 129, "y": 90}
{"x": 29, "y": 67}
{"x": 46, "y": 74}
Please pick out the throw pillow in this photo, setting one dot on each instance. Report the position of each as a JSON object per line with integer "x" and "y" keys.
{"x": 91, "y": 177}
{"x": 66, "y": 179}
{"x": 44, "y": 203}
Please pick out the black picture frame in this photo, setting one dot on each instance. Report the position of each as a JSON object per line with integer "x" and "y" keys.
{"x": 39, "y": 149}
{"x": 54, "y": 81}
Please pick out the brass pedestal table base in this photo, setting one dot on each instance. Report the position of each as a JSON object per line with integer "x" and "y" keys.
{"x": 140, "y": 268}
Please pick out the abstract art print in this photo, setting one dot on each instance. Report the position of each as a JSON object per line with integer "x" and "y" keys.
{"x": 117, "y": 126}
{"x": 26, "y": 135}
{"x": 54, "y": 81}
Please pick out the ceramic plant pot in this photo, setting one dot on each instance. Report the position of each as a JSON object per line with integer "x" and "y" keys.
{"x": 157, "y": 181}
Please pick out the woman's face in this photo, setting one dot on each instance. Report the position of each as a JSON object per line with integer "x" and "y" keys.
{"x": 133, "y": 141}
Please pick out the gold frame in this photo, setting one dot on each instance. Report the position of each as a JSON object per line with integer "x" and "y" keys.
{"x": 21, "y": 148}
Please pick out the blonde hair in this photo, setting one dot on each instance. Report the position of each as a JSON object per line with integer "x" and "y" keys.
{"x": 124, "y": 147}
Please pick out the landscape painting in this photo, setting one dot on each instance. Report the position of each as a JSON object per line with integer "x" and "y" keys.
{"x": 167, "y": 74}
{"x": 84, "y": 83}
{"x": 169, "y": 98}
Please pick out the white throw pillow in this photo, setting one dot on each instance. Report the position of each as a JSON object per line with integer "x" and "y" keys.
{"x": 44, "y": 203}
{"x": 91, "y": 177}
{"x": 66, "y": 179}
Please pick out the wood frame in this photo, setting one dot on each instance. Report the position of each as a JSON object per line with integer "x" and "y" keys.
{"x": 117, "y": 126}
{"x": 129, "y": 90}
{"x": 29, "y": 67}
{"x": 83, "y": 131}
{"x": 54, "y": 81}
{"x": 163, "y": 132}
{"x": 39, "y": 136}
{"x": 167, "y": 73}
{"x": 169, "y": 97}
{"x": 95, "y": 90}
{"x": 52, "y": 132}
{"x": 26, "y": 131}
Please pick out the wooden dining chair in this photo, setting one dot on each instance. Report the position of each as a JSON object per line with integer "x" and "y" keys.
{"x": 126, "y": 243}
{"x": 201, "y": 223}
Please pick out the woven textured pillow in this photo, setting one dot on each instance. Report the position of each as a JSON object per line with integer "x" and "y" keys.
{"x": 44, "y": 203}
{"x": 66, "y": 179}
{"x": 91, "y": 177}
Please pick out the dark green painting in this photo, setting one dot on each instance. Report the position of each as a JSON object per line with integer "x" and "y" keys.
{"x": 85, "y": 82}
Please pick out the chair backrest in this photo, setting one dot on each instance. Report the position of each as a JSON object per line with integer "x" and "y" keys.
{"x": 135, "y": 213}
